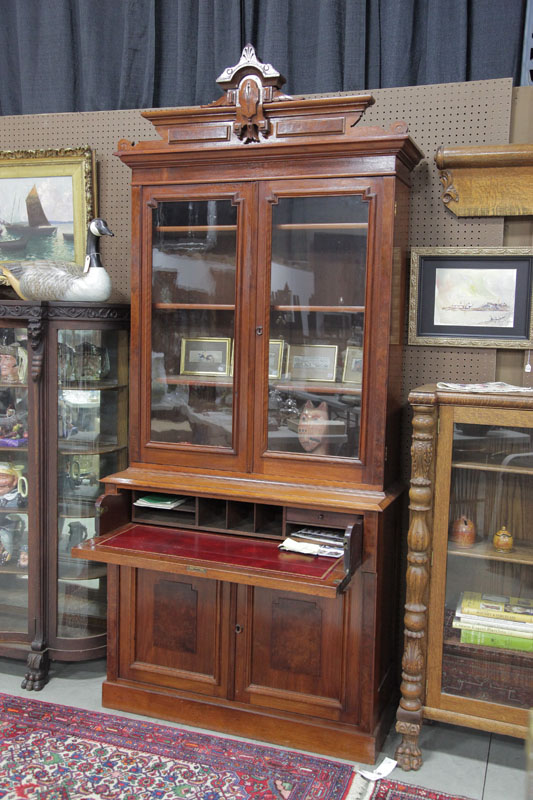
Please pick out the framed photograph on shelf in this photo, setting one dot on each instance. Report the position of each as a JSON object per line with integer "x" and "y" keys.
{"x": 47, "y": 199}
{"x": 471, "y": 297}
{"x": 312, "y": 362}
{"x": 205, "y": 356}
{"x": 353, "y": 365}
{"x": 275, "y": 358}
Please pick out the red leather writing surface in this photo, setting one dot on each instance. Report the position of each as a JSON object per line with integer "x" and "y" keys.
{"x": 214, "y": 548}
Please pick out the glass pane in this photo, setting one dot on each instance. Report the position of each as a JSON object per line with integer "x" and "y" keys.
{"x": 92, "y": 436}
{"x": 15, "y": 490}
{"x": 193, "y": 252}
{"x": 488, "y": 635}
{"x": 318, "y": 286}
{"x": 194, "y": 264}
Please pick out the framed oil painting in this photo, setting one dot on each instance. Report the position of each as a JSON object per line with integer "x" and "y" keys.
{"x": 205, "y": 356}
{"x": 471, "y": 297}
{"x": 47, "y": 199}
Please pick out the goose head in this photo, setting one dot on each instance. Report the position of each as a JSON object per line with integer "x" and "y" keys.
{"x": 97, "y": 228}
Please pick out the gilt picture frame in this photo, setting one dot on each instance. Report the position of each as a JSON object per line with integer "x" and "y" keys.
{"x": 205, "y": 356}
{"x": 275, "y": 357}
{"x": 353, "y": 365}
{"x": 471, "y": 297}
{"x": 47, "y": 199}
{"x": 312, "y": 362}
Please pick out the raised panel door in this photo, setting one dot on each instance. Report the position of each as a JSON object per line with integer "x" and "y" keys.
{"x": 174, "y": 631}
{"x": 292, "y": 652}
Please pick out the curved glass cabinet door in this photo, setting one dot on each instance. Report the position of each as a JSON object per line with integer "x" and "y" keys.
{"x": 91, "y": 443}
{"x": 15, "y": 487}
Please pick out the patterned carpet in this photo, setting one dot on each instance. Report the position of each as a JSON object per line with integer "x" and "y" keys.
{"x": 55, "y": 752}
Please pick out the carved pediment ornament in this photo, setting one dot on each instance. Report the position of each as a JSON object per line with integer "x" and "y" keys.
{"x": 249, "y": 85}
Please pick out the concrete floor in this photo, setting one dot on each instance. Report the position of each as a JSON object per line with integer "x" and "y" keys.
{"x": 461, "y": 761}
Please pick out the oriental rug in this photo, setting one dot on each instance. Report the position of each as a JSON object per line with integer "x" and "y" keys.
{"x": 56, "y": 752}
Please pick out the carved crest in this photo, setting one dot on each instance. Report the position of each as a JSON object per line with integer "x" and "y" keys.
{"x": 249, "y": 85}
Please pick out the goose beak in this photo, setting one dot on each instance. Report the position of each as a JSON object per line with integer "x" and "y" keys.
{"x": 104, "y": 230}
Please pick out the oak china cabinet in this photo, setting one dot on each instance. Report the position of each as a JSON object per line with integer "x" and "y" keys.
{"x": 468, "y": 657}
{"x": 268, "y": 253}
{"x": 63, "y": 425}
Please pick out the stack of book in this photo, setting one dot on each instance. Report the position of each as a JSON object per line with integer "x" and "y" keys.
{"x": 495, "y": 621}
{"x": 168, "y": 501}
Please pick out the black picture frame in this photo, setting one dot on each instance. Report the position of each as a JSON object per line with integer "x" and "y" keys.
{"x": 471, "y": 297}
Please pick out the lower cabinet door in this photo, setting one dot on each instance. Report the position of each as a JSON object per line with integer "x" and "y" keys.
{"x": 298, "y": 652}
{"x": 174, "y": 631}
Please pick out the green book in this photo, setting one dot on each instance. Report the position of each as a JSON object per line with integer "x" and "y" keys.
{"x": 504, "y": 640}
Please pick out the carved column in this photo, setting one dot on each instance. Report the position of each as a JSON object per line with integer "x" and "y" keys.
{"x": 410, "y": 711}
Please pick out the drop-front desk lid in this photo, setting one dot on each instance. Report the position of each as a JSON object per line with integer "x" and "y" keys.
{"x": 237, "y": 559}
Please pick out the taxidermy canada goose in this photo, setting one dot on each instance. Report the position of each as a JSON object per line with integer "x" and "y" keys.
{"x": 62, "y": 280}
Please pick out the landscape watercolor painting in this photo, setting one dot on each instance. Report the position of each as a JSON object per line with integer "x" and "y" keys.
{"x": 475, "y": 297}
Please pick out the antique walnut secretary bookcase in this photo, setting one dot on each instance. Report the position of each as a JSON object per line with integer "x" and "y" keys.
{"x": 269, "y": 237}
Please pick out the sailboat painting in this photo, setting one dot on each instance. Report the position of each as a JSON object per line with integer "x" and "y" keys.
{"x": 46, "y": 200}
{"x": 475, "y": 297}
{"x": 34, "y": 214}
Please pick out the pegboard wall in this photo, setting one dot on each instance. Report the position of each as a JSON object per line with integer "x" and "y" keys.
{"x": 476, "y": 112}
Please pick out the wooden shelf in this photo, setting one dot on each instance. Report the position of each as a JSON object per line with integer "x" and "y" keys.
{"x": 321, "y": 226}
{"x": 522, "y": 552}
{"x": 193, "y": 306}
{"x": 194, "y": 228}
{"x": 88, "y": 386}
{"x": 329, "y": 387}
{"x": 5, "y": 385}
{"x": 188, "y": 380}
{"x": 83, "y": 450}
{"x": 471, "y": 465}
{"x": 334, "y": 309}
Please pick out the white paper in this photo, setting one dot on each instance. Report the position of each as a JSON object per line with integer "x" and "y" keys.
{"x": 384, "y": 769}
{"x": 495, "y": 386}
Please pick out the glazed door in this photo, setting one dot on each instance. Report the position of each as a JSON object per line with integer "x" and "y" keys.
{"x": 88, "y": 388}
{"x": 20, "y": 552}
{"x": 195, "y": 295}
{"x": 480, "y": 652}
{"x": 324, "y": 278}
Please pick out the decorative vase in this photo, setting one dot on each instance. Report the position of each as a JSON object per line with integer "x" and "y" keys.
{"x": 463, "y": 532}
{"x": 503, "y": 540}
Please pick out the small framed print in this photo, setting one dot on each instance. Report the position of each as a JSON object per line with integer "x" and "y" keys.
{"x": 312, "y": 362}
{"x": 205, "y": 356}
{"x": 275, "y": 358}
{"x": 471, "y": 297}
{"x": 353, "y": 365}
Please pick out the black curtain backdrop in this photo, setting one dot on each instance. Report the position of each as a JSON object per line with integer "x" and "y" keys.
{"x": 92, "y": 55}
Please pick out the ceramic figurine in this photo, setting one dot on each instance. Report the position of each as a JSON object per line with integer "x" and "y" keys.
{"x": 62, "y": 280}
{"x": 13, "y": 485}
{"x": 463, "y": 532}
{"x": 312, "y": 428}
{"x": 503, "y": 540}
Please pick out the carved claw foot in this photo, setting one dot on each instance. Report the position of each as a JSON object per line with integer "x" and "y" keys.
{"x": 408, "y": 754}
{"x": 37, "y": 675}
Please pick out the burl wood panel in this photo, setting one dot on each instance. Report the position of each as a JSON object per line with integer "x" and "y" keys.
{"x": 178, "y": 632}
